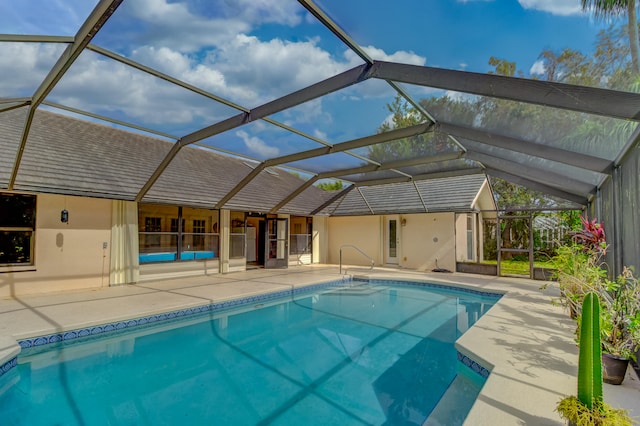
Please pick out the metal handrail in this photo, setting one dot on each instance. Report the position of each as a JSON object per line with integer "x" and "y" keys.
{"x": 360, "y": 251}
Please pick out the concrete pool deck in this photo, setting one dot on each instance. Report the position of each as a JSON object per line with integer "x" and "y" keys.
{"x": 525, "y": 341}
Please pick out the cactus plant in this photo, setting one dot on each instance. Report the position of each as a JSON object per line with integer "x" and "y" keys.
{"x": 589, "y": 407}
{"x": 590, "y": 358}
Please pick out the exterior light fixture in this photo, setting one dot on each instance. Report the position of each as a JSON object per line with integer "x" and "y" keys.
{"x": 64, "y": 216}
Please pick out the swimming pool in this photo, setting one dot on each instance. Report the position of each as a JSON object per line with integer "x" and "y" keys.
{"x": 375, "y": 353}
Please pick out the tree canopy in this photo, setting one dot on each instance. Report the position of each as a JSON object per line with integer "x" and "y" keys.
{"x": 609, "y": 66}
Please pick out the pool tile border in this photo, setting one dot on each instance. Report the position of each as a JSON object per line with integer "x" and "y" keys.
{"x": 212, "y": 307}
{"x": 474, "y": 366}
{"x": 157, "y": 318}
{"x": 7, "y": 366}
{"x": 386, "y": 281}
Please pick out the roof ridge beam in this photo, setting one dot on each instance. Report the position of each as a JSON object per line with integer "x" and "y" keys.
{"x": 7, "y": 107}
{"x": 425, "y": 176}
{"x": 537, "y": 186}
{"x": 547, "y": 178}
{"x": 592, "y": 100}
{"x": 324, "y": 87}
{"x": 536, "y": 149}
{"x": 34, "y": 38}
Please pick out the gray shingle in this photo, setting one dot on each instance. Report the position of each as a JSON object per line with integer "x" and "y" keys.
{"x": 439, "y": 195}
{"x": 70, "y": 156}
{"x": 66, "y": 155}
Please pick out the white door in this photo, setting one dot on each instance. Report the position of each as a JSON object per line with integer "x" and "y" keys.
{"x": 393, "y": 239}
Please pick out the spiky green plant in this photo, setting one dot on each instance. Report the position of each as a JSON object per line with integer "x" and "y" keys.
{"x": 589, "y": 408}
{"x": 590, "y": 358}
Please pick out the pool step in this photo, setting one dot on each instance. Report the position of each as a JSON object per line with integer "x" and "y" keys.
{"x": 453, "y": 407}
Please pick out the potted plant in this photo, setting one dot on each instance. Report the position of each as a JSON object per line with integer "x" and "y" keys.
{"x": 580, "y": 271}
{"x": 620, "y": 324}
{"x": 589, "y": 408}
{"x": 579, "y": 266}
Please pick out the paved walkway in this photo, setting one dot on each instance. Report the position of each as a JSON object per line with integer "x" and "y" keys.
{"x": 524, "y": 340}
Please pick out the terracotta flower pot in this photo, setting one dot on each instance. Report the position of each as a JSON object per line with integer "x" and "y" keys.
{"x": 614, "y": 369}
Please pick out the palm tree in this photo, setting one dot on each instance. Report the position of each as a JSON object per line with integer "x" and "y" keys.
{"x": 610, "y": 8}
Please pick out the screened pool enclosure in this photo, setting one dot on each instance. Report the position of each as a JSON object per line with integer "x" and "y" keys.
{"x": 379, "y": 97}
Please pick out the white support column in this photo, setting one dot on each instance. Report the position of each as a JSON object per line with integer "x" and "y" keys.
{"x": 320, "y": 240}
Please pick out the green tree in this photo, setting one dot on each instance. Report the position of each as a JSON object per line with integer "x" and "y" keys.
{"x": 612, "y": 8}
{"x": 336, "y": 185}
{"x": 403, "y": 114}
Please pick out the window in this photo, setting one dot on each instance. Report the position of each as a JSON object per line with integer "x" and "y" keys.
{"x": 17, "y": 229}
{"x": 199, "y": 228}
{"x": 152, "y": 225}
{"x": 163, "y": 227}
{"x": 175, "y": 231}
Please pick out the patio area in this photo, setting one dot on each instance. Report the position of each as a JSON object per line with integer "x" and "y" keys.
{"x": 525, "y": 341}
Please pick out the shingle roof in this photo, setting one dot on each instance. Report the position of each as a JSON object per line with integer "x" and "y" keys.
{"x": 66, "y": 155}
{"x": 70, "y": 156}
{"x": 435, "y": 195}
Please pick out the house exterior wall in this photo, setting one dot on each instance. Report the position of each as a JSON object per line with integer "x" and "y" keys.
{"x": 68, "y": 256}
{"x": 461, "y": 237}
{"x": 320, "y": 240}
{"x": 364, "y": 232}
{"x": 424, "y": 239}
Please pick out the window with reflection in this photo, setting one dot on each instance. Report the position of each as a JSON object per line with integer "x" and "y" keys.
{"x": 17, "y": 229}
{"x": 175, "y": 233}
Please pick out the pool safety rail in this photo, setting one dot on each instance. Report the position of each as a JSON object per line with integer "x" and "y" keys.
{"x": 371, "y": 261}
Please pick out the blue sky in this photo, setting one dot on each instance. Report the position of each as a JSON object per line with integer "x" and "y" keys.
{"x": 253, "y": 51}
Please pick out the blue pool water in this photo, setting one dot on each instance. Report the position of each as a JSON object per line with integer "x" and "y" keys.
{"x": 368, "y": 354}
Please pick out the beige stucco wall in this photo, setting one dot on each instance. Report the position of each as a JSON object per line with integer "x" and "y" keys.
{"x": 320, "y": 239}
{"x": 68, "y": 256}
{"x": 461, "y": 237}
{"x": 426, "y": 238}
{"x": 363, "y": 232}
{"x": 423, "y": 239}
{"x": 485, "y": 202}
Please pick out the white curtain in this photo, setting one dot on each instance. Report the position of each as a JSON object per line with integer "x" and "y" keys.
{"x": 124, "y": 267}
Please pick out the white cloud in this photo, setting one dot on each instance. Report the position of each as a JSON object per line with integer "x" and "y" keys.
{"x": 537, "y": 68}
{"x": 110, "y": 88}
{"x": 23, "y": 66}
{"x": 257, "y": 146}
{"x": 320, "y": 135}
{"x": 189, "y": 26}
{"x": 210, "y": 48}
{"x": 400, "y": 56}
{"x": 555, "y": 7}
{"x": 460, "y": 96}
{"x": 173, "y": 25}
{"x": 308, "y": 112}
{"x": 270, "y": 69}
